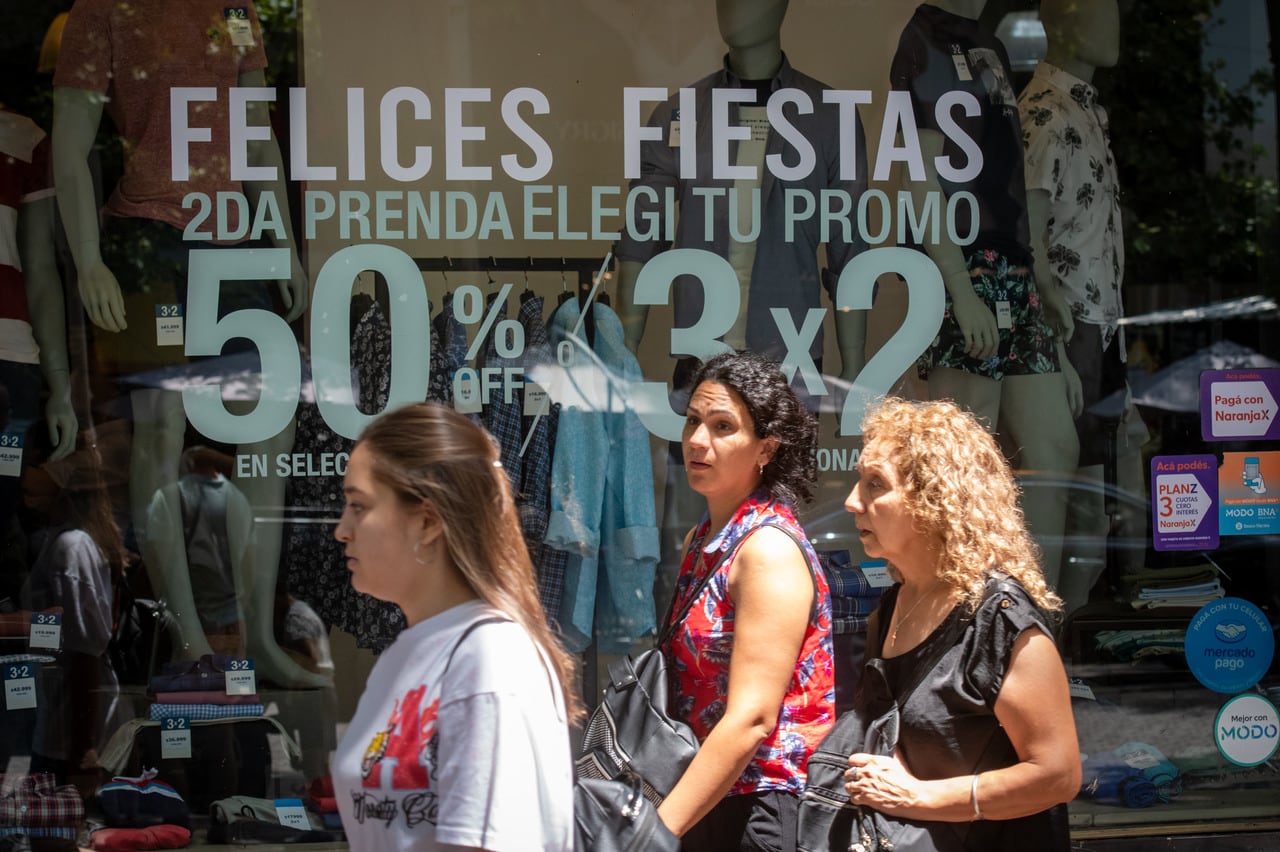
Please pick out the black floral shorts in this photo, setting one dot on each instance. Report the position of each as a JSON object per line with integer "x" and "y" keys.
{"x": 1027, "y": 347}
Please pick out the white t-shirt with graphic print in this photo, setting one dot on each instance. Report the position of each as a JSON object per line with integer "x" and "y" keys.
{"x": 479, "y": 760}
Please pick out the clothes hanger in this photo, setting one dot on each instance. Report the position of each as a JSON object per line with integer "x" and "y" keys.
{"x": 527, "y": 293}
{"x": 565, "y": 293}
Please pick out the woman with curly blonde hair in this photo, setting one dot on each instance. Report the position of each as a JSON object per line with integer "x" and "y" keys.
{"x": 986, "y": 739}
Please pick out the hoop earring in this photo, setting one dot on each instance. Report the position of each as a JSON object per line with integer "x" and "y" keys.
{"x": 762, "y": 471}
{"x": 416, "y": 557}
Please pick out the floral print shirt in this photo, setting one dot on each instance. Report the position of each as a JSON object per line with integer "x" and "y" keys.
{"x": 700, "y": 647}
{"x": 1067, "y": 144}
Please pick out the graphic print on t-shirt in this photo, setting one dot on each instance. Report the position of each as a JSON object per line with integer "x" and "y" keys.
{"x": 990, "y": 70}
{"x": 402, "y": 756}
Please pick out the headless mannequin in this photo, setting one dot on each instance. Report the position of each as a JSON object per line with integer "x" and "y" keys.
{"x": 1083, "y": 35}
{"x": 752, "y": 30}
{"x": 159, "y": 418}
{"x": 1034, "y": 412}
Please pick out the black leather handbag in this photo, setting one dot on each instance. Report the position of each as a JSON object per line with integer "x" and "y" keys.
{"x": 632, "y": 731}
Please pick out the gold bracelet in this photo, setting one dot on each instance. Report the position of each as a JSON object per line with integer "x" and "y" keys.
{"x": 973, "y": 797}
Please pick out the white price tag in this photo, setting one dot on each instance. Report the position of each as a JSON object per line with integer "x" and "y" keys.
{"x": 46, "y": 630}
{"x": 10, "y": 454}
{"x": 241, "y": 678}
{"x": 169, "y": 325}
{"x": 536, "y": 400}
{"x": 466, "y": 392}
{"x": 673, "y": 139}
{"x": 291, "y": 813}
{"x": 175, "y": 738}
{"x": 962, "y": 67}
{"x": 20, "y": 686}
{"x": 238, "y": 26}
{"x": 1004, "y": 315}
{"x": 877, "y": 573}
{"x": 1080, "y": 689}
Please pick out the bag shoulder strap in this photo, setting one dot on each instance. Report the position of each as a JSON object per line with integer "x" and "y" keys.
{"x": 471, "y": 628}
{"x": 669, "y": 623}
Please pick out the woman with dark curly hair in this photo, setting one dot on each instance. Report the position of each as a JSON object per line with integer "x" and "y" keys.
{"x": 986, "y": 741}
{"x": 752, "y": 659}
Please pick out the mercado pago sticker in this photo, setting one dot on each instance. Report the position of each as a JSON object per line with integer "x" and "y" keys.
{"x": 1249, "y": 488}
{"x": 1247, "y": 730}
{"x": 1229, "y": 645}
{"x": 1239, "y": 404}
{"x": 1184, "y": 493}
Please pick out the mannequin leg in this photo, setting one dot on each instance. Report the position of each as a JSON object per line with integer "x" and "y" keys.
{"x": 1087, "y": 528}
{"x": 973, "y": 393}
{"x": 159, "y": 425}
{"x": 1034, "y": 411}
{"x": 262, "y": 565}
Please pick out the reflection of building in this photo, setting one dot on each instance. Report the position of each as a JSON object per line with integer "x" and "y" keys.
{"x": 1197, "y": 242}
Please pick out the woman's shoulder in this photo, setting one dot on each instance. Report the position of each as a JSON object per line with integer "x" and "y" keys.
{"x": 1006, "y": 611}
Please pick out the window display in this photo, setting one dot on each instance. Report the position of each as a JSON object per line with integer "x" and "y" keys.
{"x": 231, "y": 236}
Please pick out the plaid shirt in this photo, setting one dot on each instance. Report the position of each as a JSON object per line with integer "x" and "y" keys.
{"x": 205, "y": 712}
{"x": 36, "y": 801}
{"x": 845, "y": 578}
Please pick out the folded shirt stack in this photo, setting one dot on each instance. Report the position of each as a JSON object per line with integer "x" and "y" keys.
{"x": 1135, "y": 775}
{"x": 1190, "y": 586}
{"x": 197, "y": 690}
{"x": 19, "y": 623}
{"x": 322, "y": 801}
{"x": 35, "y": 806}
{"x": 853, "y": 598}
{"x": 141, "y": 813}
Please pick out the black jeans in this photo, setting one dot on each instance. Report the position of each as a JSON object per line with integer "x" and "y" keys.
{"x": 758, "y": 822}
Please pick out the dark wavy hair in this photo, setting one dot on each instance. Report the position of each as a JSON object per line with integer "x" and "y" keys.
{"x": 775, "y": 412}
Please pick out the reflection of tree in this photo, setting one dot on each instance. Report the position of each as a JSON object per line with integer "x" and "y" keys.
{"x": 1190, "y": 217}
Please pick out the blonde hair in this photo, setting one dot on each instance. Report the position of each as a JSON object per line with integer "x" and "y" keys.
{"x": 429, "y": 453}
{"x": 960, "y": 490}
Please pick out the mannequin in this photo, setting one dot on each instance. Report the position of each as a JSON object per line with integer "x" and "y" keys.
{"x": 751, "y": 29}
{"x": 996, "y": 353}
{"x": 147, "y": 206}
{"x": 1079, "y": 247}
{"x": 771, "y": 271}
{"x": 33, "y": 339}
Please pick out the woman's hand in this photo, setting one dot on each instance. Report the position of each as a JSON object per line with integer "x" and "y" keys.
{"x": 882, "y": 783}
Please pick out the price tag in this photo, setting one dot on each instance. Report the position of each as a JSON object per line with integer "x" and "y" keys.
{"x": 1004, "y": 315}
{"x": 962, "y": 66}
{"x": 877, "y": 573}
{"x": 238, "y": 26}
{"x": 46, "y": 630}
{"x": 241, "y": 678}
{"x": 466, "y": 392}
{"x": 10, "y": 454}
{"x": 293, "y": 814}
{"x": 169, "y": 325}
{"x": 673, "y": 139}
{"x": 175, "y": 738}
{"x": 20, "y": 686}
{"x": 536, "y": 400}
{"x": 1080, "y": 689}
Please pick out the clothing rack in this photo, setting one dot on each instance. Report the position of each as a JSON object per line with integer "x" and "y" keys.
{"x": 585, "y": 267}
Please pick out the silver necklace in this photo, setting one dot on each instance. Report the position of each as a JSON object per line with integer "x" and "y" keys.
{"x": 893, "y": 639}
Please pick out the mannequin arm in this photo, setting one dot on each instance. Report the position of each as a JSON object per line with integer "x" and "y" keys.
{"x": 633, "y": 316}
{"x": 48, "y": 320}
{"x": 266, "y": 152}
{"x": 1057, "y": 311}
{"x": 76, "y": 114}
{"x": 977, "y": 323}
{"x": 851, "y": 338}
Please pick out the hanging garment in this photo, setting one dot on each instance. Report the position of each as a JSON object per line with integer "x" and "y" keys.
{"x": 602, "y": 512}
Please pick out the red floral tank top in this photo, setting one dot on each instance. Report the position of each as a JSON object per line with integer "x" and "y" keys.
{"x": 699, "y": 651}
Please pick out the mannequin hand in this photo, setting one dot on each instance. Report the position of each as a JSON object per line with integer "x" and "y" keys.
{"x": 883, "y": 783}
{"x": 100, "y": 293}
{"x": 62, "y": 425}
{"x": 977, "y": 325}
{"x": 1057, "y": 313}
{"x": 296, "y": 290}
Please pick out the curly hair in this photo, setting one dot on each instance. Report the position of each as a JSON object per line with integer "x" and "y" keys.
{"x": 428, "y": 452}
{"x": 775, "y": 412}
{"x": 960, "y": 489}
